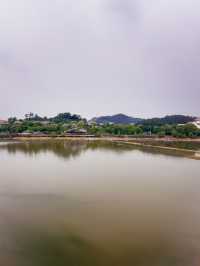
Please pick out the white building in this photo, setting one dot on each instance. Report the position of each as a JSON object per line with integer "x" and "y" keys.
{"x": 3, "y": 122}
{"x": 197, "y": 123}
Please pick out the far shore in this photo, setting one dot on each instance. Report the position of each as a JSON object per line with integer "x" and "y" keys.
{"x": 111, "y": 138}
{"x": 92, "y": 137}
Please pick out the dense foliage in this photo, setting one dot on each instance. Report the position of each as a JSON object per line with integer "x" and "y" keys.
{"x": 66, "y": 123}
{"x": 169, "y": 120}
{"x": 65, "y": 117}
{"x": 124, "y": 119}
{"x": 187, "y": 130}
{"x": 116, "y": 119}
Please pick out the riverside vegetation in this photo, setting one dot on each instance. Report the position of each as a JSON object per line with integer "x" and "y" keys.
{"x": 67, "y": 123}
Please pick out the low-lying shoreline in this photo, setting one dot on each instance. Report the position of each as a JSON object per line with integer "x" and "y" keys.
{"x": 125, "y": 137}
{"x": 191, "y": 153}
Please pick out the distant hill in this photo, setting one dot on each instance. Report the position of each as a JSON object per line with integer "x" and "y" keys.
{"x": 124, "y": 119}
{"x": 170, "y": 119}
{"x": 116, "y": 119}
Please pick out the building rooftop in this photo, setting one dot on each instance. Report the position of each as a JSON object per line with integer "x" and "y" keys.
{"x": 3, "y": 122}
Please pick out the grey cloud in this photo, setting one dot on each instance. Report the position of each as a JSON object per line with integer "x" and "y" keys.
{"x": 95, "y": 57}
{"x": 125, "y": 10}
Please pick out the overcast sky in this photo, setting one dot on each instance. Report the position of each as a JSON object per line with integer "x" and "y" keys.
{"x": 96, "y": 57}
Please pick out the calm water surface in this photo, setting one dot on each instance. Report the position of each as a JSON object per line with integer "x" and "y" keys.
{"x": 82, "y": 203}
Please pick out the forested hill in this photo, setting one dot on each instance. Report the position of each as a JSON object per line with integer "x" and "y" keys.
{"x": 170, "y": 120}
{"x": 116, "y": 119}
{"x": 124, "y": 119}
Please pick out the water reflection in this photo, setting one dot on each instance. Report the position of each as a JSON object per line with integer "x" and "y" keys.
{"x": 72, "y": 148}
{"x": 105, "y": 204}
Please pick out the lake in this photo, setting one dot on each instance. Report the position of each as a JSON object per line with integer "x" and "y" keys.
{"x": 97, "y": 203}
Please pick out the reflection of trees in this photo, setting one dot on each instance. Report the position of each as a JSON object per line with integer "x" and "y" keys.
{"x": 60, "y": 148}
{"x": 72, "y": 148}
{"x": 43, "y": 248}
{"x": 121, "y": 147}
{"x": 60, "y": 249}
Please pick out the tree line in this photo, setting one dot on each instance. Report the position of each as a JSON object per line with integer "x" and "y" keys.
{"x": 64, "y": 122}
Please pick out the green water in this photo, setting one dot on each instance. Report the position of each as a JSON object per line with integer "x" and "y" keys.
{"x": 81, "y": 203}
